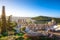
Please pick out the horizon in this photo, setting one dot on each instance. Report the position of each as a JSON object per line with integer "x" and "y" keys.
{"x": 28, "y": 8}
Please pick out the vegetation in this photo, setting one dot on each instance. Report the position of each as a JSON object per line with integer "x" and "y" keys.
{"x": 10, "y": 25}
{"x": 23, "y": 28}
{"x": 20, "y": 38}
{"x": 4, "y": 24}
{"x": 44, "y": 19}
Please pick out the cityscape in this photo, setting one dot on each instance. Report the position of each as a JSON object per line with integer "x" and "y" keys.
{"x": 36, "y": 27}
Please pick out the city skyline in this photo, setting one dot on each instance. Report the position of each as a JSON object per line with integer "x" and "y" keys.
{"x": 28, "y": 8}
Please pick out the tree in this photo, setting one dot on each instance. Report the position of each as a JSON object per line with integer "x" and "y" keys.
{"x": 8, "y": 24}
{"x": 3, "y": 17}
{"x": 0, "y": 26}
{"x": 23, "y": 28}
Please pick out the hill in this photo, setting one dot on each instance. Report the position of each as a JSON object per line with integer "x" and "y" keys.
{"x": 44, "y": 19}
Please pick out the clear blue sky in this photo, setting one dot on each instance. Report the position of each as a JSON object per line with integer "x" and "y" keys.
{"x": 31, "y": 8}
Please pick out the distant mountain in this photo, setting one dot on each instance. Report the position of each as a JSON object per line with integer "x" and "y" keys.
{"x": 45, "y": 19}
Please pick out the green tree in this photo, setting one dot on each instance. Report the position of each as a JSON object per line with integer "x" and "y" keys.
{"x": 3, "y": 17}
{"x": 9, "y": 24}
{"x": 23, "y": 28}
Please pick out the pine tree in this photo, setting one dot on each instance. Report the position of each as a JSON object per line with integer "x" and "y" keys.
{"x": 3, "y": 17}
{"x": 9, "y": 23}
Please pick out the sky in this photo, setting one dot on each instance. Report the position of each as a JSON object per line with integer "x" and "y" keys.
{"x": 31, "y": 8}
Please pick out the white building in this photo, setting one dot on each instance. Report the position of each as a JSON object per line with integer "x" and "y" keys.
{"x": 57, "y": 27}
